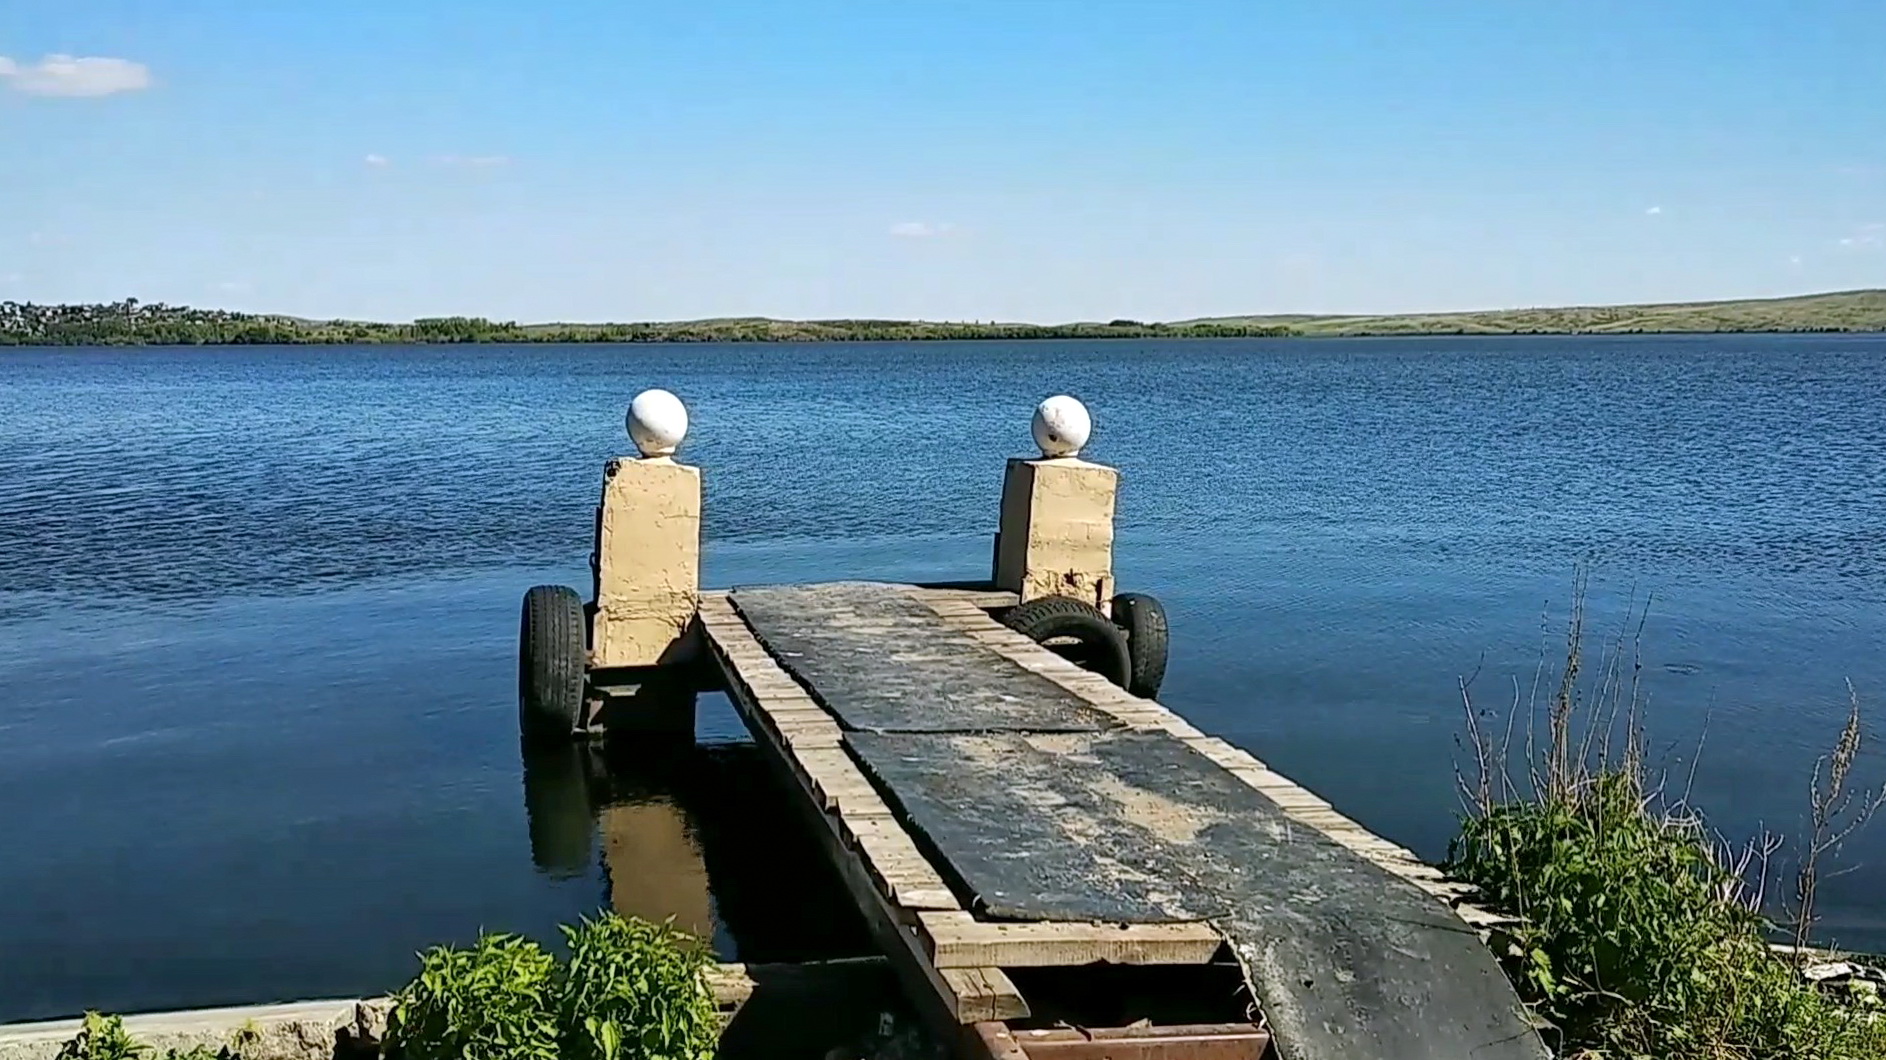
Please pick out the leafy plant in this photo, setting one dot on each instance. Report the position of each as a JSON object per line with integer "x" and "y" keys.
{"x": 490, "y": 1002}
{"x": 102, "y": 1038}
{"x": 634, "y": 990}
{"x": 1638, "y": 936}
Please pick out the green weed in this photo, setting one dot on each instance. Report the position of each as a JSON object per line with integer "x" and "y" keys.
{"x": 494, "y": 1001}
{"x": 633, "y": 990}
{"x": 1639, "y": 937}
{"x": 102, "y": 1038}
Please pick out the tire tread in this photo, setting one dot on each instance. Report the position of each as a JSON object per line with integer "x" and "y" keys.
{"x": 1046, "y": 617}
{"x": 553, "y": 655}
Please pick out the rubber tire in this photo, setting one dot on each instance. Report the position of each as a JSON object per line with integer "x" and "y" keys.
{"x": 552, "y": 656}
{"x": 1047, "y": 617}
{"x": 1143, "y": 618}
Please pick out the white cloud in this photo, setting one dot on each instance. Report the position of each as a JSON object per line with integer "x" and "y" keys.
{"x": 475, "y": 161}
{"x": 1654, "y": 211}
{"x": 378, "y": 161}
{"x": 1866, "y": 237}
{"x": 921, "y": 229}
{"x": 1794, "y": 261}
{"x": 10, "y": 278}
{"x": 234, "y": 287}
{"x": 75, "y": 78}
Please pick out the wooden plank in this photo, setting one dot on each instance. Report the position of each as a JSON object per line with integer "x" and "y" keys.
{"x": 811, "y": 740}
{"x": 959, "y": 940}
{"x": 1103, "y": 695}
{"x": 957, "y": 612}
{"x": 1121, "y": 827}
{"x": 882, "y": 660}
{"x": 1297, "y": 802}
{"x": 902, "y": 872}
{"x": 992, "y": 1041}
{"x": 1220, "y": 752}
{"x": 983, "y": 994}
{"x": 978, "y": 597}
{"x": 835, "y": 784}
{"x": 1181, "y": 728}
{"x": 894, "y": 871}
{"x": 957, "y": 998}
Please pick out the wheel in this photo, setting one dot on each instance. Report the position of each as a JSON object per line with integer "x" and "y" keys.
{"x": 552, "y": 652}
{"x": 1079, "y": 632}
{"x": 1143, "y": 619}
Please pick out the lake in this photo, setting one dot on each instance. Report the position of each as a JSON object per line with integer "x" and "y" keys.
{"x": 258, "y": 606}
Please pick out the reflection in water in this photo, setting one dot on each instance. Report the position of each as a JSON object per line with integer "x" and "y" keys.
{"x": 697, "y": 833}
{"x": 702, "y": 835}
{"x": 557, "y": 801}
{"x": 655, "y": 867}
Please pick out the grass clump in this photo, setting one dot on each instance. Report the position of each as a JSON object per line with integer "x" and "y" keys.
{"x": 630, "y": 990}
{"x": 633, "y": 990}
{"x": 1639, "y": 936}
{"x": 1632, "y": 942}
{"x": 104, "y": 1038}
{"x": 493, "y": 1001}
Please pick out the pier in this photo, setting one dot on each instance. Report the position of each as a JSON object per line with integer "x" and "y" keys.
{"x": 1054, "y": 864}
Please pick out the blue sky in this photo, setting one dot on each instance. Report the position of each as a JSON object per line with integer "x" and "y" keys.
{"x": 977, "y": 159}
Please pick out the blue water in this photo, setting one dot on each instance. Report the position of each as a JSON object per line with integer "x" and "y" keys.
{"x": 257, "y": 606}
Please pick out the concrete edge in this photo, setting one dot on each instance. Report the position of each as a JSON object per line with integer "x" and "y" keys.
{"x": 234, "y": 1018}
{"x": 299, "y": 1030}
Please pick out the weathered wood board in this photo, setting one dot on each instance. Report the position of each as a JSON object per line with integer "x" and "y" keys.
{"x": 885, "y": 874}
{"x": 1346, "y": 959}
{"x": 1096, "y": 826}
{"x": 882, "y": 661}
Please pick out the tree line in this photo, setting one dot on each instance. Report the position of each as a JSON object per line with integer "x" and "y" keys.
{"x": 135, "y": 323}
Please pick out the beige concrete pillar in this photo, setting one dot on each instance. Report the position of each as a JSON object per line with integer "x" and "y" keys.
{"x": 648, "y": 544}
{"x": 1056, "y": 530}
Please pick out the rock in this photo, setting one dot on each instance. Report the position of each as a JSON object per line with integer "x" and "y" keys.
{"x": 365, "y": 1031}
{"x": 1859, "y": 983}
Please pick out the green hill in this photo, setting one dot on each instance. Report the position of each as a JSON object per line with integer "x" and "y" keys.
{"x": 131, "y": 322}
{"x": 1837, "y": 311}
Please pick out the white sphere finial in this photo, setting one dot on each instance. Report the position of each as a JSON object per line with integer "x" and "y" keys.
{"x": 657, "y": 422}
{"x": 1062, "y": 426}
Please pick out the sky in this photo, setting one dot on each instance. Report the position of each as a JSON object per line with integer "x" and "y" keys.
{"x": 1039, "y": 160}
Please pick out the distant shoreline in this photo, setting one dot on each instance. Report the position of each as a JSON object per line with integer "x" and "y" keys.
{"x": 131, "y": 323}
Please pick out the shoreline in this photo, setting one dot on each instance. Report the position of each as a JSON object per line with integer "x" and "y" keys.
{"x": 133, "y": 323}
{"x": 809, "y": 340}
